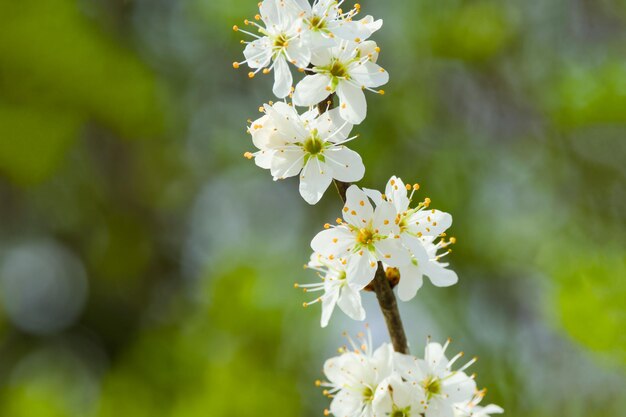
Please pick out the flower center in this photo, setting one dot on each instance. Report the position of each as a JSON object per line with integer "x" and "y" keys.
{"x": 281, "y": 41}
{"x": 365, "y": 237}
{"x": 316, "y": 22}
{"x": 432, "y": 386}
{"x": 313, "y": 145}
{"x": 368, "y": 395}
{"x": 338, "y": 70}
{"x": 401, "y": 413}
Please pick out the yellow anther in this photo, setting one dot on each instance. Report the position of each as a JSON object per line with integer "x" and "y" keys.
{"x": 335, "y": 240}
{"x": 251, "y": 74}
{"x": 453, "y": 240}
{"x": 257, "y": 17}
{"x": 408, "y": 187}
{"x": 381, "y": 92}
{"x": 377, "y": 49}
{"x": 357, "y": 40}
{"x": 318, "y": 383}
{"x": 362, "y": 203}
{"x": 262, "y": 109}
{"x": 416, "y": 186}
{"x": 266, "y": 70}
{"x": 296, "y": 285}
{"x": 327, "y": 226}
{"x": 235, "y": 28}
{"x": 246, "y": 22}
{"x": 248, "y": 155}
{"x": 235, "y": 65}
{"x": 386, "y": 221}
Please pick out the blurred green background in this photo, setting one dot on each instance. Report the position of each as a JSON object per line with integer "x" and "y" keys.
{"x": 146, "y": 268}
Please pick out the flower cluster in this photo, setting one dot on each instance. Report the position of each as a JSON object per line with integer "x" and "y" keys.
{"x": 384, "y": 383}
{"x": 411, "y": 239}
{"x": 379, "y": 233}
{"x": 332, "y": 48}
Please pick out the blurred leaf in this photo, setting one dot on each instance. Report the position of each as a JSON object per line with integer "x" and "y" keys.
{"x": 586, "y": 96}
{"x": 474, "y": 32}
{"x": 34, "y": 141}
{"x": 51, "y": 53}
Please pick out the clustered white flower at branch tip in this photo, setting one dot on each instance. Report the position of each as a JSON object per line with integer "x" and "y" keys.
{"x": 407, "y": 237}
{"x": 383, "y": 383}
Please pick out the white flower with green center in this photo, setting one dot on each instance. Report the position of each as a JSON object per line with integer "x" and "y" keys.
{"x": 311, "y": 145}
{"x": 396, "y": 397}
{"x": 337, "y": 289}
{"x": 277, "y": 44}
{"x": 354, "y": 377}
{"x": 346, "y": 70}
{"x": 472, "y": 409}
{"x": 419, "y": 229}
{"x": 364, "y": 237}
{"x": 324, "y": 24}
{"x": 443, "y": 387}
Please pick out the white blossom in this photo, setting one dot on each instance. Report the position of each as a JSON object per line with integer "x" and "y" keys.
{"x": 396, "y": 397}
{"x": 419, "y": 229}
{"x": 443, "y": 387}
{"x": 354, "y": 377}
{"x": 346, "y": 70}
{"x": 311, "y": 145}
{"x": 337, "y": 289}
{"x": 324, "y": 24}
{"x": 364, "y": 237}
{"x": 472, "y": 409}
{"x": 278, "y": 43}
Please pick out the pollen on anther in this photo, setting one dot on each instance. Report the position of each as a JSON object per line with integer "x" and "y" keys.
{"x": 248, "y": 155}
{"x": 235, "y": 28}
{"x": 338, "y": 220}
{"x": 235, "y": 65}
{"x": 381, "y": 92}
{"x": 251, "y": 74}
{"x": 353, "y": 213}
{"x": 266, "y": 70}
{"x": 335, "y": 240}
{"x": 408, "y": 187}
{"x": 327, "y": 226}
{"x": 362, "y": 203}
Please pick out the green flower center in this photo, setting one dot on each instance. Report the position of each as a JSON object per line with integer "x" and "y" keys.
{"x": 316, "y": 22}
{"x": 338, "y": 70}
{"x": 313, "y": 145}
{"x": 368, "y": 394}
{"x": 401, "y": 413}
{"x": 281, "y": 41}
{"x": 432, "y": 386}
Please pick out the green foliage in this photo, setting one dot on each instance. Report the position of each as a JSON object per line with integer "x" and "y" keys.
{"x": 57, "y": 70}
{"x": 473, "y": 32}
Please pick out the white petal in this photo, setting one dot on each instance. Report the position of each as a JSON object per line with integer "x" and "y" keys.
{"x": 369, "y": 48}
{"x": 411, "y": 280}
{"x": 328, "y": 305}
{"x": 311, "y": 90}
{"x": 287, "y": 163}
{"x": 282, "y": 78}
{"x": 314, "y": 180}
{"x": 440, "y": 276}
{"x": 263, "y": 159}
{"x": 361, "y": 268}
{"x": 258, "y": 53}
{"x": 392, "y": 252}
{"x": 369, "y": 74}
{"x": 358, "y": 210}
{"x": 385, "y": 218}
{"x": 334, "y": 241}
{"x": 299, "y": 54}
{"x": 430, "y": 222}
{"x": 352, "y": 104}
{"x": 374, "y": 195}
{"x": 347, "y": 165}
{"x": 397, "y": 193}
{"x": 350, "y": 303}
{"x": 332, "y": 127}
